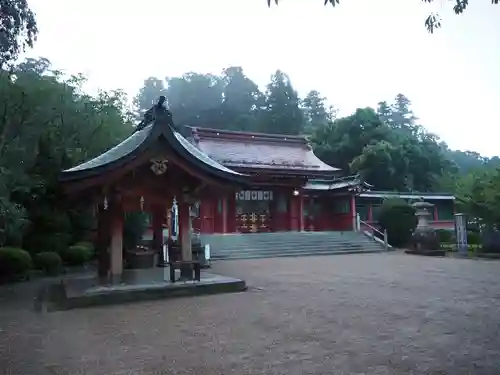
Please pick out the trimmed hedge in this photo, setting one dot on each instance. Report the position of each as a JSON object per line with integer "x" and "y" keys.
{"x": 48, "y": 261}
{"x": 398, "y": 218}
{"x": 77, "y": 255}
{"x": 446, "y": 236}
{"x": 86, "y": 244}
{"x": 473, "y": 238}
{"x": 14, "y": 262}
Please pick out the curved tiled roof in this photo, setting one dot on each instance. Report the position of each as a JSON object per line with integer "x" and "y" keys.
{"x": 202, "y": 157}
{"x": 143, "y": 139}
{"x": 116, "y": 153}
{"x": 259, "y": 151}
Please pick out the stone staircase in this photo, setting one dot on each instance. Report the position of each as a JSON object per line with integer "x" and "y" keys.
{"x": 287, "y": 244}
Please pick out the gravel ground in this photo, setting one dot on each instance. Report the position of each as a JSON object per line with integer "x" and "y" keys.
{"x": 371, "y": 314}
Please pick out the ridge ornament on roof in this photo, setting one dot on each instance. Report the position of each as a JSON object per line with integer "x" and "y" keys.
{"x": 157, "y": 132}
{"x": 159, "y": 113}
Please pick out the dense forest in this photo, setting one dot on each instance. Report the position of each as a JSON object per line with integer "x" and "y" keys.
{"x": 48, "y": 123}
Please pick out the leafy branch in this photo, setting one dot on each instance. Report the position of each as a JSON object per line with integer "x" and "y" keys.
{"x": 432, "y": 22}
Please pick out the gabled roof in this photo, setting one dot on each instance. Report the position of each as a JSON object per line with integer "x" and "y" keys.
{"x": 260, "y": 152}
{"x": 157, "y": 127}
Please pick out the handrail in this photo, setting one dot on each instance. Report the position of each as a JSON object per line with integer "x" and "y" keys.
{"x": 373, "y": 229}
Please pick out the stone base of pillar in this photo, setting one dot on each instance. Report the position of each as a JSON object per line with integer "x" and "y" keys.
{"x": 161, "y": 261}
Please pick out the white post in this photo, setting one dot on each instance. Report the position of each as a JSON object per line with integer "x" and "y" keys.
{"x": 207, "y": 252}
{"x": 461, "y": 234}
{"x": 358, "y": 223}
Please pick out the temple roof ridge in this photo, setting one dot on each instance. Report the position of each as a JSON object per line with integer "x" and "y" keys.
{"x": 233, "y": 135}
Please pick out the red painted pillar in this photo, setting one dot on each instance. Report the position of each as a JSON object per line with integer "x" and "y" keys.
{"x": 436, "y": 216}
{"x": 294, "y": 213}
{"x": 203, "y": 214}
{"x": 370, "y": 213}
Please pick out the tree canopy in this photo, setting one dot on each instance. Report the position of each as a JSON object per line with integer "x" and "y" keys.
{"x": 48, "y": 123}
{"x": 433, "y": 20}
{"x": 18, "y": 29}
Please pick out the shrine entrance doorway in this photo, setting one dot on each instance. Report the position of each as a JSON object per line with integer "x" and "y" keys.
{"x": 253, "y": 211}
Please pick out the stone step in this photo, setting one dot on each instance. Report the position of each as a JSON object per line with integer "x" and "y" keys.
{"x": 269, "y": 245}
{"x": 267, "y": 240}
{"x": 292, "y": 247}
{"x": 297, "y": 254}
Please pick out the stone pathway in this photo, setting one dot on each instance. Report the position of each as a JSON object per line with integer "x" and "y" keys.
{"x": 371, "y": 314}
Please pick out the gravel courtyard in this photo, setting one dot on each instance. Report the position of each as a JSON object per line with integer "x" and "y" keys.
{"x": 351, "y": 314}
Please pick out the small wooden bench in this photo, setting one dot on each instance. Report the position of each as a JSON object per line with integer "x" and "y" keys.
{"x": 193, "y": 265}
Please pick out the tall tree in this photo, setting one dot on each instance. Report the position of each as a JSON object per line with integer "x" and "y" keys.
{"x": 18, "y": 29}
{"x": 47, "y": 123}
{"x": 401, "y": 114}
{"x": 242, "y": 101}
{"x": 385, "y": 155}
{"x": 383, "y": 164}
{"x": 282, "y": 113}
{"x": 316, "y": 112}
{"x": 340, "y": 142}
{"x": 195, "y": 99}
{"x": 384, "y": 112}
{"x": 432, "y": 22}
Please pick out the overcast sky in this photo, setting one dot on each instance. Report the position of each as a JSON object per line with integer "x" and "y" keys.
{"x": 356, "y": 54}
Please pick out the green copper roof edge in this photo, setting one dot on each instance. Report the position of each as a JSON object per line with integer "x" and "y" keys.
{"x": 415, "y": 193}
{"x": 140, "y": 141}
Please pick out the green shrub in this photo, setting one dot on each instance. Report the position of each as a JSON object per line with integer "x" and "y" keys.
{"x": 51, "y": 242}
{"x": 76, "y": 255}
{"x": 49, "y": 261}
{"x": 473, "y": 238}
{"x": 14, "y": 262}
{"x": 398, "y": 218}
{"x": 88, "y": 245}
{"x": 445, "y": 236}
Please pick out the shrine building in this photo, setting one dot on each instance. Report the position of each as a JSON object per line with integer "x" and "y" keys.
{"x": 223, "y": 182}
{"x": 290, "y": 189}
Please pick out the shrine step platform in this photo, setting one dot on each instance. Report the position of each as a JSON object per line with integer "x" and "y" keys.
{"x": 288, "y": 244}
{"x": 135, "y": 285}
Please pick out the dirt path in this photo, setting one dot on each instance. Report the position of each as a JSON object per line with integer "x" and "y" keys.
{"x": 352, "y": 314}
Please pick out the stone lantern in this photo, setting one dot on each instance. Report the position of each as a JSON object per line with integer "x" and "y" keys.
{"x": 425, "y": 240}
